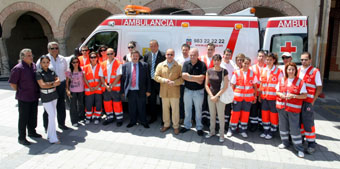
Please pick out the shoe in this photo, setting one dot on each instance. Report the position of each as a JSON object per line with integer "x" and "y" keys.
{"x": 96, "y": 122}
{"x": 87, "y": 121}
{"x": 310, "y": 150}
{"x": 244, "y": 134}
{"x": 268, "y": 137}
{"x": 209, "y": 135}
{"x": 119, "y": 124}
{"x": 221, "y": 140}
{"x": 130, "y": 125}
{"x": 229, "y": 133}
{"x": 176, "y": 131}
{"x": 64, "y": 127}
{"x": 301, "y": 154}
{"x": 152, "y": 120}
{"x": 24, "y": 142}
{"x": 163, "y": 129}
{"x": 107, "y": 121}
{"x": 146, "y": 125}
{"x": 34, "y": 135}
{"x": 263, "y": 135}
{"x": 282, "y": 146}
{"x": 75, "y": 125}
{"x": 200, "y": 132}
{"x": 183, "y": 130}
{"x": 58, "y": 142}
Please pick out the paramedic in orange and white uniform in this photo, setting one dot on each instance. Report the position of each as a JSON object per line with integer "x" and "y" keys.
{"x": 93, "y": 91}
{"x": 269, "y": 79}
{"x": 244, "y": 83}
{"x": 110, "y": 74}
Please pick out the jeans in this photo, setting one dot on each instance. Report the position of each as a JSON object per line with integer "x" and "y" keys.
{"x": 196, "y": 97}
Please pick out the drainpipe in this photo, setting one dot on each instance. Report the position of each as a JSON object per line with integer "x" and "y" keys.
{"x": 318, "y": 35}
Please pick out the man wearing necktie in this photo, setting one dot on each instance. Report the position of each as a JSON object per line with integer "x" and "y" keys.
{"x": 136, "y": 87}
{"x": 153, "y": 58}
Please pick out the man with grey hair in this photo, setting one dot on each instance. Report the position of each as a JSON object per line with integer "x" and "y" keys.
{"x": 59, "y": 65}
{"x": 22, "y": 80}
{"x": 193, "y": 74}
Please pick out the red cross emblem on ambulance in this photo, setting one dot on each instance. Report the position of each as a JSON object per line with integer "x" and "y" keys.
{"x": 288, "y": 47}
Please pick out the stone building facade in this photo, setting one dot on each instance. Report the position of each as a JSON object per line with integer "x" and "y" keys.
{"x": 32, "y": 23}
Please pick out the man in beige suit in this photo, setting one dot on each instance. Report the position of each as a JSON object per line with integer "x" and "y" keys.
{"x": 169, "y": 75}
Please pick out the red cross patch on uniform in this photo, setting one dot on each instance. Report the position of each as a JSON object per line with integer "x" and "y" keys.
{"x": 274, "y": 79}
{"x": 295, "y": 90}
{"x": 250, "y": 81}
{"x": 309, "y": 80}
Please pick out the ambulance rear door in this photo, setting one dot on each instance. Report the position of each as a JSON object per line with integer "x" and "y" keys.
{"x": 286, "y": 34}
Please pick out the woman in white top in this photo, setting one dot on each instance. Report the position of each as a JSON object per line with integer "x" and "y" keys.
{"x": 131, "y": 47}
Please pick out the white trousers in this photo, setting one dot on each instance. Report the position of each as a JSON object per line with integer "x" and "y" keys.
{"x": 51, "y": 109}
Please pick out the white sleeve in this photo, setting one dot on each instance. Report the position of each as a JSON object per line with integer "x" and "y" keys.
{"x": 281, "y": 75}
{"x": 318, "y": 81}
{"x": 38, "y": 64}
{"x": 255, "y": 80}
{"x": 233, "y": 79}
{"x": 303, "y": 89}
{"x": 119, "y": 70}
{"x": 100, "y": 73}
{"x": 277, "y": 87}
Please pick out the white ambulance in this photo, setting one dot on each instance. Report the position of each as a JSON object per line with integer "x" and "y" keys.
{"x": 241, "y": 32}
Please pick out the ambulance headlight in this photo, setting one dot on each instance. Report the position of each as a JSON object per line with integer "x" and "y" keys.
{"x": 238, "y": 26}
{"x": 185, "y": 24}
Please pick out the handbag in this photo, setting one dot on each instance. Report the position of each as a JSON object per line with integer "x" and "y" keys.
{"x": 228, "y": 95}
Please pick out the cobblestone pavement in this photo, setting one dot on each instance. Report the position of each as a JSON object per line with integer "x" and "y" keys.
{"x": 98, "y": 146}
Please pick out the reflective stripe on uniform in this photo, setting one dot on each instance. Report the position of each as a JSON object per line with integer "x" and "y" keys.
{"x": 294, "y": 105}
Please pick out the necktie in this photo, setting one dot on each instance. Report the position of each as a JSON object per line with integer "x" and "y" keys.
{"x": 134, "y": 74}
{"x": 153, "y": 65}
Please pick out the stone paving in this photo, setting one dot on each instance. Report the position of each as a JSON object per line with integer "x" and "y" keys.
{"x": 97, "y": 146}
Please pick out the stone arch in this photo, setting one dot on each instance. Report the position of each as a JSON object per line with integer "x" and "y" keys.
{"x": 280, "y": 5}
{"x": 11, "y": 13}
{"x": 181, "y": 4}
{"x": 79, "y": 7}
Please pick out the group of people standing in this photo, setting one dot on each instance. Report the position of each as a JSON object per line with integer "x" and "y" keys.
{"x": 263, "y": 94}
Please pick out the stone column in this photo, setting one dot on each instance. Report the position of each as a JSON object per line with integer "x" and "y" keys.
{"x": 62, "y": 46}
{"x": 4, "y": 66}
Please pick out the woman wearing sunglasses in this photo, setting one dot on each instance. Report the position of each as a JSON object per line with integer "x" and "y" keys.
{"x": 102, "y": 53}
{"x": 131, "y": 47}
{"x": 93, "y": 90}
{"x": 75, "y": 91}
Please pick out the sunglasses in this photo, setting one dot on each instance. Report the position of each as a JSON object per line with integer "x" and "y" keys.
{"x": 93, "y": 57}
{"x": 54, "y": 48}
{"x": 75, "y": 62}
{"x": 130, "y": 47}
{"x": 102, "y": 50}
{"x": 84, "y": 50}
{"x": 109, "y": 53}
{"x": 169, "y": 54}
{"x": 304, "y": 60}
{"x": 285, "y": 57}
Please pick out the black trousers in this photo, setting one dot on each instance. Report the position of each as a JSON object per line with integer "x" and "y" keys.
{"x": 61, "y": 111}
{"x": 153, "y": 108}
{"x": 77, "y": 107}
{"x": 136, "y": 107}
{"x": 28, "y": 112}
{"x": 181, "y": 104}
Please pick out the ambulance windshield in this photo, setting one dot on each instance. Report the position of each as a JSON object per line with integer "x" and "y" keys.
{"x": 109, "y": 39}
{"x": 292, "y": 43}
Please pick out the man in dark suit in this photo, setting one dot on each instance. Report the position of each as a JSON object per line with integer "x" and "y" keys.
{"x": 153, "y": 58}
{"x": 136, "y": 87}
